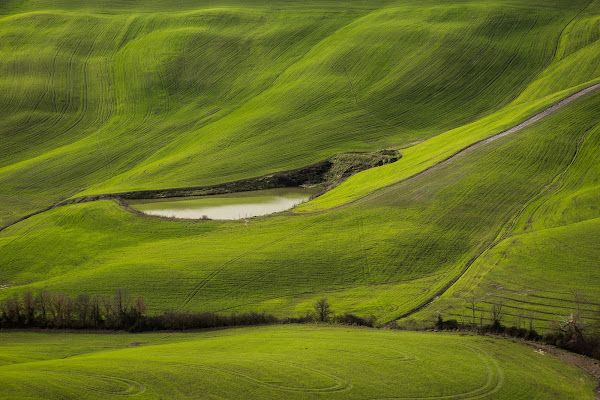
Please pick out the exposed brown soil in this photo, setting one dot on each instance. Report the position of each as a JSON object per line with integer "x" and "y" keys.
{"x": 326, "y": 174}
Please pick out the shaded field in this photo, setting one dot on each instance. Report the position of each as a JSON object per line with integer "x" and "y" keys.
{"x": 284, "y": 361}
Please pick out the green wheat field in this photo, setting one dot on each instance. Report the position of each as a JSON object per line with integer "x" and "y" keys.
{"x": 110, "y": 96}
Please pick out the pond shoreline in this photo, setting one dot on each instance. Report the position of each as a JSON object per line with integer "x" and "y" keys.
{"x": 327, "y": 174}
{"x": 229, "y": 206}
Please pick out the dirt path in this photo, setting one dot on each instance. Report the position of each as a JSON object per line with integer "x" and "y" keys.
{"x": 530, "y": 121}
{"x": 588, "y": 364}
{"x": 537, "y": 117}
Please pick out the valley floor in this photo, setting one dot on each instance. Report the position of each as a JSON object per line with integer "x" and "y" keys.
{"x": 292, "y": 362}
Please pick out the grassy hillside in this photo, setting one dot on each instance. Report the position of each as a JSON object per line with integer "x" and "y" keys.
{"x": 125, "y": 98}
{"x": 546, "y": 266}
{"x": 384, "y": 255}
{"x": 301, "y": 362}
{"x": 117, "y": 96}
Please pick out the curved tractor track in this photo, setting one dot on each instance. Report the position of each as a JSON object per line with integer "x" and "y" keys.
{"x": 537, "y": 117}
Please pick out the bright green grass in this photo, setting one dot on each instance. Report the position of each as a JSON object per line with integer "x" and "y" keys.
{"x": 572, "y": 68}
{"x": 292, "y": 362}
{"x": 550, "y": 256}
{"x": 537, "y": 276}
{"x": 112, "y": 96}
{"x": 383, "y": 255}
{"x": 197, "y": 96}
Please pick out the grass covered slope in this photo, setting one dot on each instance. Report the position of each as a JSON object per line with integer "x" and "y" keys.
{"x": 546, "y": 265}
{"x": 384, "y": 255}
{"x": 302, "y": 362}
{"x": 573, "y": 68}
{"x": 112, "y": 97}
{"x": 176, "y": 112}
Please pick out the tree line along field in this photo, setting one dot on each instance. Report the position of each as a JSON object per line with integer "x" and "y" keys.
{"x": 302, "y": 362}
{"x": 28, "y": 262}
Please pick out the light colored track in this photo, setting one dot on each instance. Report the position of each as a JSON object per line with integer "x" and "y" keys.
{"x": 530, "y": 121}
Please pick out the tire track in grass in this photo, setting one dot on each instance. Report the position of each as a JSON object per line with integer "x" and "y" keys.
{"x": 131, "y": 387}
{"x": 541, "y": 115}
{"x": 530, "y": 121}
{"x": 524, "y": 289}
{"x": 224, "y": 266}
{"x": 555, "y": 181}
{"x": 494, "y": 377}
{"x": 537, "y": 117}
{"x": 493, "y": 383}
{"x": 339, "y": 384}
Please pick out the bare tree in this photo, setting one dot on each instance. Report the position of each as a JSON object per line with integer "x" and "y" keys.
{"x": 578, "y": 301}
{"x": 323, "y": 310}
{"x": 530, "y": 320}
{"x": 43, "y": 301}
{"x": 122, "y": 300}
{"x": 110, "y": 312}
{"x": 520, "y": 316}
{"x": 473, "y": 304}
{"x": 83, "y": 307}
{"x": 62, "y": 310}
{"x": 140, "y": 306}
{"x": 481, "y": 316}
{"x": 29, "y": 307}
{"x": 95, "y": 312}
{"x": 497, "y": 314}
{"x": 11, "y": 309}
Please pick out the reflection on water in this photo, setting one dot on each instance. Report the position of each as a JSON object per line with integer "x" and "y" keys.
{"x": 226, "y": 206}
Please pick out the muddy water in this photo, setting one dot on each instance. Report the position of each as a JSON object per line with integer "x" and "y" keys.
{"x": 226, "y": 206}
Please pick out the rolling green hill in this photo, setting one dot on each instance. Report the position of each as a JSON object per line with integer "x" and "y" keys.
{"x": 292, "y": 362}
{"x": 120, "y": 96}
{"x": 493, "y": 106}
{"x": 384, "y": 255}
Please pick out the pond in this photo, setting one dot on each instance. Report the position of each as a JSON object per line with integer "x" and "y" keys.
{"x": 226, "y": 206}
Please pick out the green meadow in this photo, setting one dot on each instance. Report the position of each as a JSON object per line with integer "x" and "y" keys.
{"x": 119, "y": 96}
{"x": 292, "y": 362}
{"x": 385, "y": 254}
{"x": 233, "y": 92}
{"x": 111, "y": 96}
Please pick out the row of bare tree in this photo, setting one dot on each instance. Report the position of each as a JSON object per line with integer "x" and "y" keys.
{"x": 571, "y": 332}
{"x": 45, "y": 309}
